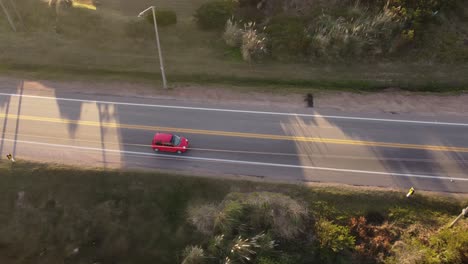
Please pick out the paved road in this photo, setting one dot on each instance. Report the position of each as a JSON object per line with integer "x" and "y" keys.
{"x": 428, "y": 153}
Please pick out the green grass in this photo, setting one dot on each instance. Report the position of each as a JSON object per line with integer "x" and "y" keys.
{"x": 140, "y": 217}
{"x": 270, "y": 84}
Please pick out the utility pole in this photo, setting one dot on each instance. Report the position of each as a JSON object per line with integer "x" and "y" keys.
{"x": 163, "y": 73}
{"x": 8, "y": 16}
{"x": 159, "y": 49}
{"x": 464, "y": 212}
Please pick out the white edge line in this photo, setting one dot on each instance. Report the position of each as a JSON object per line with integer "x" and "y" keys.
{"x": 243, "y": 111}
{"x": 241, "y": 161}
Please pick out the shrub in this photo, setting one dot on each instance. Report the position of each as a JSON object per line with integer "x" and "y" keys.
{"x": 230, "y": 217}
{"x": 250, "y": 10}
{"x": 253, "y": 43}
{"x": 334, "y": 237}
{"x": 451, "y": 245}
{"x": 248, "y": 226}
{"x": 203, "y": 217}
{"x": 163, "y": 17}
{"x": 287, "y": 37}
{"x": 373, "y": 243}
{"x": 369, "y": 34}
{"x": 409, "y": 252}
{"x": 193, "y": 255}
{"x": 233, "y": 34}
{"x": 335, "y": 242}
{"x": 446, "y": 246}
{"x": 417, "y": 12}
{"x": 213, "y": 15}
{"x": 375, "y": 217}
{"x": 278, "y": 213}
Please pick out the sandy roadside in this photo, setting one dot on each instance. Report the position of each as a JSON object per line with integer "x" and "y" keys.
{"x": 389, "y": 101}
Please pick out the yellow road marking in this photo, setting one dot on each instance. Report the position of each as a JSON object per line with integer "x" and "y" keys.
{"x": 237, "y": 151}
{"x": 238, "y": 134}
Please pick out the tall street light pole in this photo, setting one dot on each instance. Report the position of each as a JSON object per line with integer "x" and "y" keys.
{"x": 153, "y": 8}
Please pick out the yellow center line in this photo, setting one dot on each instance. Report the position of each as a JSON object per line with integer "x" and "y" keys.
{"x": 237, "y": 134}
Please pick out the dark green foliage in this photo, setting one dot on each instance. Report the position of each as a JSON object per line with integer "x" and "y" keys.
{"x": 164, "y": 18}
{"x": 248, "y": 11}
{"x": 335, "y": 242}
{"x": 213, "y": 15}
{"x": 287, "y": 36}
{"x": 375, "y": 217}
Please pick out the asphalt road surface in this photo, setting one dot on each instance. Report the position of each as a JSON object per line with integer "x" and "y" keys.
{"x": 429, "y": 153}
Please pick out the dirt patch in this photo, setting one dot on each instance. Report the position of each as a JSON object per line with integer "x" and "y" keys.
{"x": 391, "y": 101}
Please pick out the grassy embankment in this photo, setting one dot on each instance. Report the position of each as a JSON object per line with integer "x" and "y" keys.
{"x": 47, "y": 211}
{"x": 100, "y": 45}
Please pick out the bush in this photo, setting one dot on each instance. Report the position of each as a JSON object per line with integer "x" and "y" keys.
{"x": 193, "y": 255}
{"x": 253, "y": 43}
{"x": 233, "y": 34}
{"x": 203, "y": 217}
{"x": 334, "y": 237}
{"x": 373, "y": 243}
{"x": 287, "y": 37}
{"x": 451, "y": 245}
{"x": 230, "y": 217}
{"x": 247, "y": 227}
{"x": 446, "y": 246}
{"x": 281, "y": 214}
{"x": 369, "y": 34}
{"x": 335, "y": 242}
{"x": 213, "y": 15}
{"x": 163, "y": 18}
{"x": 251, "y": 10}
{"x": 375, "y": 217}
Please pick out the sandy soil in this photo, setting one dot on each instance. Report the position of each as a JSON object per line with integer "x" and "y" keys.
{"x": 389, "y": 101}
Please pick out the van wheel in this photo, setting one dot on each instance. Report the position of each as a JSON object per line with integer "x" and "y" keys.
{"x": 156, "y": 150}
{"x": 179, "y": 152}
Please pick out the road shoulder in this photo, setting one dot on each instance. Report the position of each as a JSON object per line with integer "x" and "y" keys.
{"x": 390, "y": 101}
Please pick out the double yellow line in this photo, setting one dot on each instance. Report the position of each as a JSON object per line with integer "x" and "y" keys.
{"x": 237, "y": 134}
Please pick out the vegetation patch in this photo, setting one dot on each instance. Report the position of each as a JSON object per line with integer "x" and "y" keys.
{"x": 213, "y": 15}
{"x": 55, "y": 214}
{"x": 363, "y": 45}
